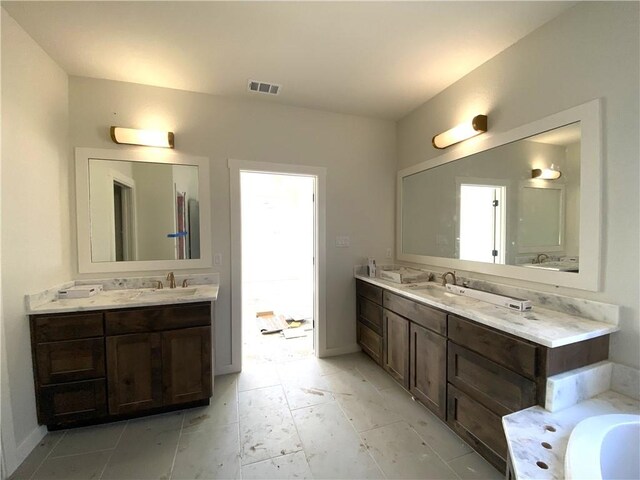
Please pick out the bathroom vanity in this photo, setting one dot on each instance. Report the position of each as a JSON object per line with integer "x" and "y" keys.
{"x": 470, "y": 362}
{"x": 122, "y": 353}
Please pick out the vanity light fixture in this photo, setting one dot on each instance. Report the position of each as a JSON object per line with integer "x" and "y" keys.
{"x": 551, "y": 173}
{"x": 146, "y": 138}
{"x": 476, "y": 126}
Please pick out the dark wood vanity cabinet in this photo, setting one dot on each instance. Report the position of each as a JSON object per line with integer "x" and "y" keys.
{"x": 468, "y": 374}
{"x": 91, "y": 367}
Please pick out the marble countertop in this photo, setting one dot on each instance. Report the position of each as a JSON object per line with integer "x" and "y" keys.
{"x": 526, "y": 431}
{"x": 542, "y": 326}
{"x": 127, "y": 298}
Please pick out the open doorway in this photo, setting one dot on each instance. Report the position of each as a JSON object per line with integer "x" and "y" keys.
{"x": 277, "y": 221}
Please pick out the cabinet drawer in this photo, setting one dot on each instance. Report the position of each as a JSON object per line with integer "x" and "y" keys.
{"x": 370, "y": 342}
{"x": 70, "y": 361}
{"x": 496, "y": 387}
{"x": 505, "y": 350}
{"x": 156, "y": 319}
{"x": 370, "y": 314}
{"x": 52, "y": 328}
{"x": 71, "y": 402}
{"x": 478, "y": 425}
{"x": 416, "y": 312}
{"x": 368, "y": 291}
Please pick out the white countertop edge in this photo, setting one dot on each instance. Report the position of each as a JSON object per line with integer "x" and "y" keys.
{"x": 598, "y": 328}
{"x": 205, "y": 293}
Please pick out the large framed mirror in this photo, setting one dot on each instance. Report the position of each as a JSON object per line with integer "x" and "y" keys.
{"x": 486, "y": 206}
{"x": 142, "y": 209}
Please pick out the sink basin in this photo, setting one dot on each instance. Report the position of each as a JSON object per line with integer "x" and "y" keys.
{"x": 168, "y": 293}
{"x": 501, "y": 300}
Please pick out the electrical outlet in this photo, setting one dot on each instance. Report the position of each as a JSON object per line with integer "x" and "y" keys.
{"x": 217, "y": 259}
{"x": 388, "y": 253}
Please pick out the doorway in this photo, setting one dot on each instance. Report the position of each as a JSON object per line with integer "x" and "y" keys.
{"x": 277, "y": 269}
{"x": 277, "y": 262}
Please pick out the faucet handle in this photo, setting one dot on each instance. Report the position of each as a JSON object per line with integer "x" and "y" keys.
{"x": 185, "y": 283}
{"x": 160, "y": 285}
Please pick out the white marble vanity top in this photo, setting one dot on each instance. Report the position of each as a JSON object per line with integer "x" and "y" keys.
{"x": 126, "y": 298}
{"x": 526, "y": 430}
{"x": 543, "y": 326}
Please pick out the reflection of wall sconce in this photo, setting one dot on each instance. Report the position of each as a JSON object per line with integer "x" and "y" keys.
{"x": 551, "y": 173}
{"x": 147, "y": 138}
{"x": 476, "y": 126}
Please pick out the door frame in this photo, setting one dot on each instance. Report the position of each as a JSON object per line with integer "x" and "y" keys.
{"x": 319, "y": 308}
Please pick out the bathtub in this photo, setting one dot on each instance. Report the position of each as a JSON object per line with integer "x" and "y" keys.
{"x": 604, "y": 447}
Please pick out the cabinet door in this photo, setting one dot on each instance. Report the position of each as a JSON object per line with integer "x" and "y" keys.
{"x": 134, "y": 372}
{"x": 396, "y": 347}
{"x": 428, "y": 382}
{"x": 186, "y": 365}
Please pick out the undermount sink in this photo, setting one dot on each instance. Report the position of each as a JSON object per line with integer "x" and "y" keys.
{"x": 500, "y": 300}
{"x": 168, "y": 293}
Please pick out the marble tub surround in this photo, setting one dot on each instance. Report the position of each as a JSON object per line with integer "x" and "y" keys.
{"x": 126, "y": 293}
{"x": 570, "y": 388}
{"x": 541, "y": 325}
{"x": 580, "y": 307}
{"x": 626, "y": 380}
{"x": 537, "y": 439}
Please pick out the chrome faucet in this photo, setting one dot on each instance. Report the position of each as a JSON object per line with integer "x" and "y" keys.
{"x": 444, "y": 278}
{"x": 541, "y": 257}
{"x": 172, "y": 280}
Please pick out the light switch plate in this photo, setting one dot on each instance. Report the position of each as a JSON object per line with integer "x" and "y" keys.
{"x": 217, "y": 259}
{"x": 343, "y": 241}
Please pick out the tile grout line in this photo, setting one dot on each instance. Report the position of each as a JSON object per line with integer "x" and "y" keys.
{"x": 237, "y": 387}
{"x": 64, "y": 434}
{"x": 175, "y": 453}
{"x": 362, "y": 442}
{"x": 104, "y": 469}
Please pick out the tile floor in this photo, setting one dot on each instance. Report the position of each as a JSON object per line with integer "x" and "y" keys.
{"x": 340, "y": 417}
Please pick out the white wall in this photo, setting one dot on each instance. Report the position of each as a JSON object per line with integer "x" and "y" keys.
{"x": 36, "y": 232}
{"x": 359, "y": 154}
{"x": 588, "y": 52}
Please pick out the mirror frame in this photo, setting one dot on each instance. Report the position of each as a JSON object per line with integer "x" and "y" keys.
{"x": 588, "y": 278}
{"x": 148, "y": 155}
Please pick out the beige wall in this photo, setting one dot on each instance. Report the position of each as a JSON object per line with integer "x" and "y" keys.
{"x": 36, "y": 232}
{"x": 591, "y": 51}
{"x": 358, "y": 153}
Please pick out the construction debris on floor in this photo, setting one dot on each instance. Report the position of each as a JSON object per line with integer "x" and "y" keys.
{"x": 269, "y": 323}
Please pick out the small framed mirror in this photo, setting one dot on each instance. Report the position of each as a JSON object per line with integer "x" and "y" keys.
{"x": 142, "y": 209}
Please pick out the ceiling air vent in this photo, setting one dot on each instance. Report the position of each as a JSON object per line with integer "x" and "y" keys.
{"x": 263, "y": 87}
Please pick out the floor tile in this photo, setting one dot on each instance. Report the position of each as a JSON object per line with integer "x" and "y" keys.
{"x": 146, "y": 449}
{"x": 28, "y": 467}
{"x": 332, "y": 446}
{"x": 257, "y": 375}
{"x": 473, "y": 467}
{"x": 82, "y": 467}
{"x": 211, "y": 452}
{"x": 361, "y": 401}
{"x": 432, "y": 430}
{"x": 89, "y": 439}
{"x": 375, "y": 374}
{"x": 401, "y": 453}
{"x": 293, "y": 465}
{"x": 267, "y": 433}
{"x": 267, "y": 397}
{"x": 306, "y": 392}
{"x": 223, "y": 409}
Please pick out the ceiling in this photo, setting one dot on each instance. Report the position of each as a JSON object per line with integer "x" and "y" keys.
{"x": 379, "y": 59}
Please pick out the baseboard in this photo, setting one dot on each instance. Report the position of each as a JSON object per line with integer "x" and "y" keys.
{"x": 29, "y": 443}
{"x": 332, "y": 352}
{"x": 226, "y": 369}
